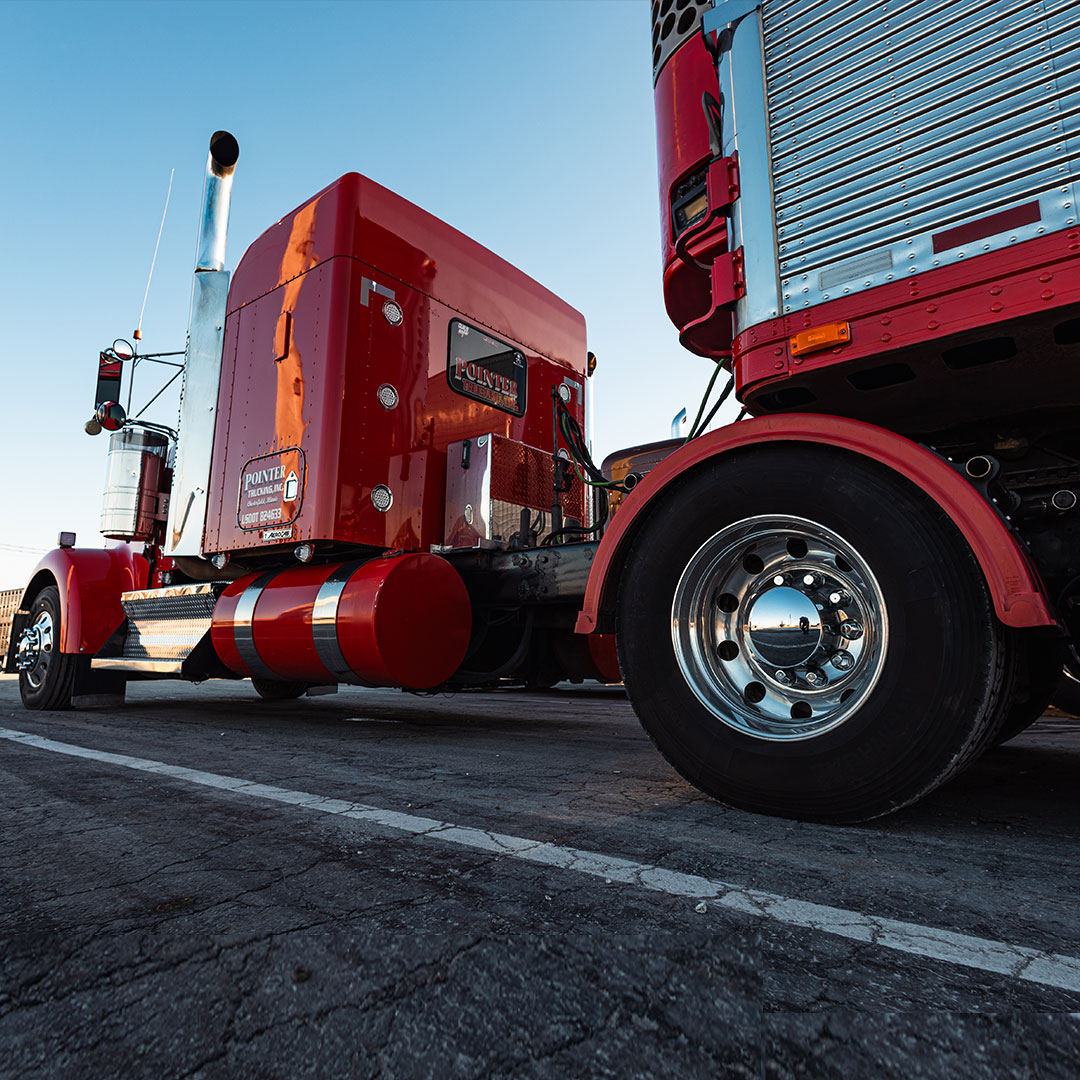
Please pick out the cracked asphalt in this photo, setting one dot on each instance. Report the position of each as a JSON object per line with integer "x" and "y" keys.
{"x": 153, "y": 927}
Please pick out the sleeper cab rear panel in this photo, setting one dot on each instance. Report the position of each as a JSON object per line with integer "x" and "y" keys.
{"x": 309, "y": 347}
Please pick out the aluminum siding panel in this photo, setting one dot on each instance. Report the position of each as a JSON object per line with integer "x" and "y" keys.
{"x": 894, "y": 121}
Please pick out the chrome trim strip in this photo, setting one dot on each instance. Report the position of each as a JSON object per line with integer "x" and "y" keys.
{"x": 753, "y": 228}
{"x": 242, "y": 619}
{"x": 171, "y": 592}
{"x": 156, "y": 667}
{"x": 324, "y": 622}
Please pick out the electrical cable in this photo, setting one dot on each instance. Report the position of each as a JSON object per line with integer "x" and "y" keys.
{"x": 701, "y": 407}
{"x": 724, "y": 394}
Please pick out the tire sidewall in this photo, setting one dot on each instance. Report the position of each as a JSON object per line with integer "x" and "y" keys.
{"x": 924, "y": 711}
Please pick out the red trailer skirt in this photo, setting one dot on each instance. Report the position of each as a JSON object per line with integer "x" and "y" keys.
{"x": 398, "y": 621}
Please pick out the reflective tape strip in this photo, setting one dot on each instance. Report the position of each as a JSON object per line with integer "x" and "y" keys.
{"x": 242, "y": 618}
{"x": 324, "y": 622}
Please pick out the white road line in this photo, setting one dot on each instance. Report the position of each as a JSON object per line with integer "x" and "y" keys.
{"x": 999, "y": 957}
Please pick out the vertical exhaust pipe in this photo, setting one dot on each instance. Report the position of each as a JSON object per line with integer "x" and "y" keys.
{"x": 202, "y": 364}
{"x": 217, "y": 195}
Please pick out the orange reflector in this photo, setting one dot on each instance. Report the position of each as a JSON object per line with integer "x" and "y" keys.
{"x": 821, "y": 337}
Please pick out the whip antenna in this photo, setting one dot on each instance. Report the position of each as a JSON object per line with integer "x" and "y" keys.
{"x": 150, "y": 276}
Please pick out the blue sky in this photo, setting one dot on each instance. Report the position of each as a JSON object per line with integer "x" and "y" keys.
{"x": 527, "y": 124}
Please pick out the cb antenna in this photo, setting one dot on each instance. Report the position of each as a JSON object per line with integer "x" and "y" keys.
{"x": 150, "y": 276}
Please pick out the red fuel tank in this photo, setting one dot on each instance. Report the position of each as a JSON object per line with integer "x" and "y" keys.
{"x": 402, "y": 620}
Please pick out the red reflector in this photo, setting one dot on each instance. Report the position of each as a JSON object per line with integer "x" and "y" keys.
{"x": 1027, "y": 214}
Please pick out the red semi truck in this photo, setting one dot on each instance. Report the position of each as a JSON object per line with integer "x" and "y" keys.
{"x": 379, "y": 474}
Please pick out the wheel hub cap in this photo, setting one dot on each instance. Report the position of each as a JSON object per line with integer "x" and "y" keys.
{"x": 34, "y": 649}
{"x": 779, "y": 627}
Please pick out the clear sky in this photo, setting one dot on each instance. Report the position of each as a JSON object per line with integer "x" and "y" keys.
{"x": 527, "y": 124}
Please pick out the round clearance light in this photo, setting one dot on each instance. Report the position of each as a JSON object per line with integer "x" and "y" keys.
{"x": 220, "y": 560}
{"x": 564, "y": 392}
{"x": 382, "y": 498}
{"x": 392, "y": 312}
{"x": 388, "y": 396}
{"x": 304, "y": 552}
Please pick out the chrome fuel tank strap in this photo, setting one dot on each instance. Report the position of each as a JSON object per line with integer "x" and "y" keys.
{"x": 242, "y": 625}
{"x": 324, "y": 622}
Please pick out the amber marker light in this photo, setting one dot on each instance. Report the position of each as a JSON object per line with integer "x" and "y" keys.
{"x": 821, "y": 337}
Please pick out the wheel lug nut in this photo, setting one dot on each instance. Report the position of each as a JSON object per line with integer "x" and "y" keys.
{"x": 838, "y": 598}
{"x": 779, "y": 579}
{"x": 815, "y": 678}
{"x": 851, "y": 629}
{"x": 782, "y": 677}
{"x": 842, "y": 661}
{"x": 810, "y": 580}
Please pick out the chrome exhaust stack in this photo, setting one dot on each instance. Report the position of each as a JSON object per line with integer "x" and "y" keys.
{"x": 202, "y": 364}
{"x": 217, "y": 195}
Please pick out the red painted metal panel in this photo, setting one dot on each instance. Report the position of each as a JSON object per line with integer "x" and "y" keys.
{"x": 90, "y": 583}
{"x": 997, "y": 287}
{"x": 1014, "y": 584}
{"x": 682, "y": 148}
{"x": 330, "y": 265}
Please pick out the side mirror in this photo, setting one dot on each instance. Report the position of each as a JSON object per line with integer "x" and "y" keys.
{"x": 110, "y": 415}
{"x": 123, "y": 350}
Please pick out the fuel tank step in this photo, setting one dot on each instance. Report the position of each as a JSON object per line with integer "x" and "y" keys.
{"x": 401, "y": 620}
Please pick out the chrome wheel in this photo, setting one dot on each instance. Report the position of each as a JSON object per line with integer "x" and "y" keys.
{"x": 34, "y": 651}
{"x": 779, "y": 627}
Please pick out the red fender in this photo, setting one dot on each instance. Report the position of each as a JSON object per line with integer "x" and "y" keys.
{"x": 90, "y": 581}
{"x": 1018, "y": 595}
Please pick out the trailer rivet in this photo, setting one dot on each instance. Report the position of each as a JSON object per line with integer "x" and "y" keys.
{"x": 997, "y": 305}
{"x": 1044, "y": 278}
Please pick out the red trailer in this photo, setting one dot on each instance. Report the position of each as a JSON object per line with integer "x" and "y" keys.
{"x": 379, "y": 474}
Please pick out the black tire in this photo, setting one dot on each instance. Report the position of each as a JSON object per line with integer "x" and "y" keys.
{"x": 940, "y": 658}
{"x": 279, "y": 689}
{"x": 1067, "y": 694}
{"x": 1038, "y": 662}
{"x": 48, "y": 684}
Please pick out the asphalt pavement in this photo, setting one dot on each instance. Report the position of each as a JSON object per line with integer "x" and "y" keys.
{"x": 376, "y": 884}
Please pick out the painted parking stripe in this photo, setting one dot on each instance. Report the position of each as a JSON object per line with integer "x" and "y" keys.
{"x": 999, "y": 957}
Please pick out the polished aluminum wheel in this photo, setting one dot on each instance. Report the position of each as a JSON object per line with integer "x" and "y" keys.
{"x": 35, "y": 649}
{"x": 779, "y": 627}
